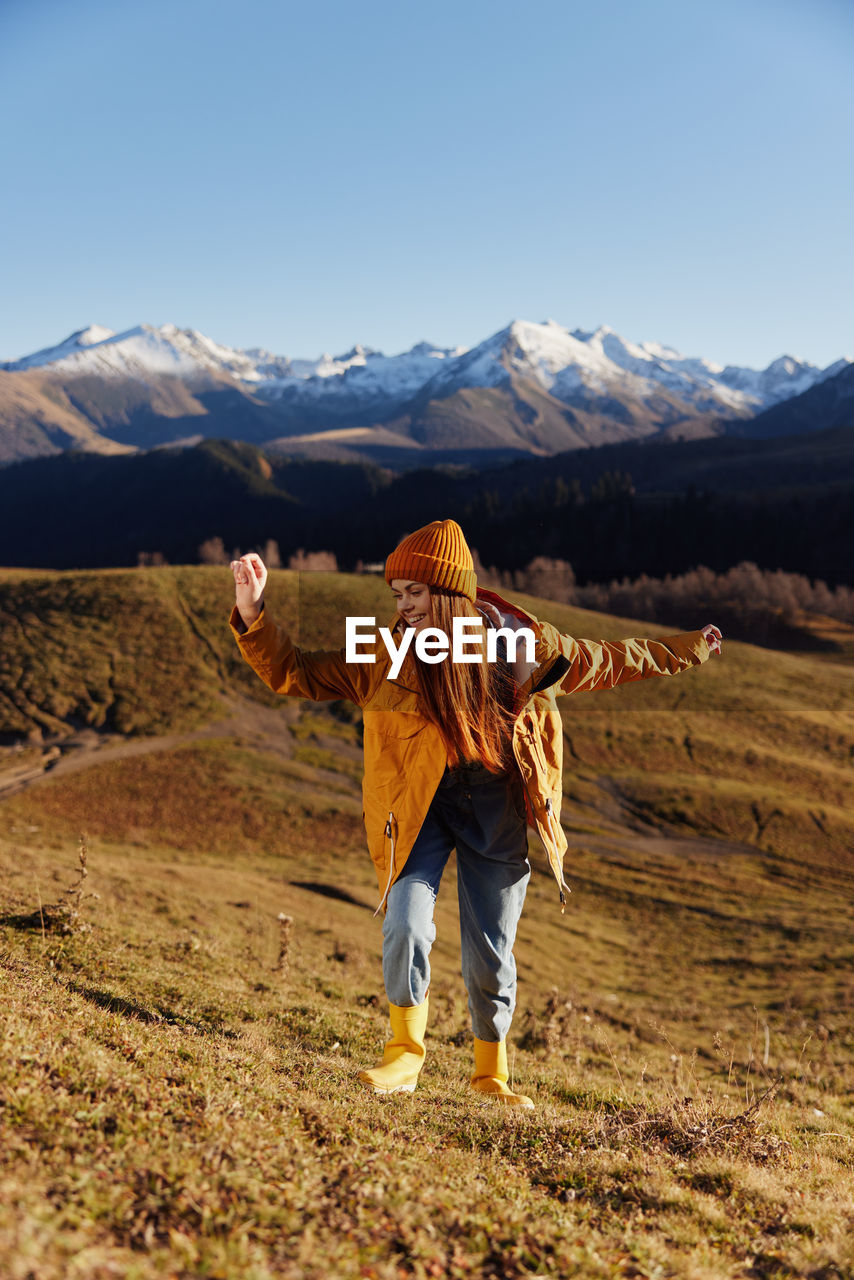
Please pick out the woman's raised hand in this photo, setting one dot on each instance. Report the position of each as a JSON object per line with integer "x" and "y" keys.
{"x": 250, "y": 577}
{"x": 714, "y": 637}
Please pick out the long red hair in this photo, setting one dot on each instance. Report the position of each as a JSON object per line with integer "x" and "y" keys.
{"x": 471, "y": 704}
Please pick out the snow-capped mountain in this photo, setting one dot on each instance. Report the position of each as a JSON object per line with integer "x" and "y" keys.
{"x": 564, "y": 364}
{"x": 363, "y": 380}
{"x": 142, "y": 353}
{"x": 146, "y": 351}
{"x": 601, "y": 362}
{"x": 570, "y": 366}
{"x": 530, "y": 388}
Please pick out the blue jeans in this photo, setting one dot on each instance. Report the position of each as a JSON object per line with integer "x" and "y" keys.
{"x": 483, "y": 817}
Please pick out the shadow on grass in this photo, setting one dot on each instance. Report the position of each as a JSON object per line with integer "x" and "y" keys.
{"x": 34, "y": 920}
{"x": 158, "y": 1016}
{"x": 329, "y": 891}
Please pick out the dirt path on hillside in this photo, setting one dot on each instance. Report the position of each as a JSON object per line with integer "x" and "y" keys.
{"x": 256, "y": 726}
{"x": 622, "y": 834}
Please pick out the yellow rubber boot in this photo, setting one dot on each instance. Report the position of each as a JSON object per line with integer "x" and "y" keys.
{"x": 490, "y": 1073}
{"x": 403, "y": 1056}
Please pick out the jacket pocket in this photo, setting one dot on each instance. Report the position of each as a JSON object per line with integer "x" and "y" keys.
{"x": 393, "y": 724}
{"x": 392, "y": 738}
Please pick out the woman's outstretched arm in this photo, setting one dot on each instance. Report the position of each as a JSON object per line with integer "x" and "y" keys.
{"x": 321, "y": 675}
{"x": 602, "y": 664}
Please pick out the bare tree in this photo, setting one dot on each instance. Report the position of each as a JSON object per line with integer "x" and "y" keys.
{"x": 762, "y": 599}
{"x": 271, "y": 555}
{"x": 212, "y": 551}
{"x": 547, "y": 578}
{"x": 313, "y": 561}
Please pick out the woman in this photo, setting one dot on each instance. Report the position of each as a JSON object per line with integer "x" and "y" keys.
{"x": 458, "y": 755}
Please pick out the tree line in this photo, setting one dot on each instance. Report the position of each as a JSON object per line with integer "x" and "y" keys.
{"x": 79, "y": 511}
{"x": 759, "y": 605}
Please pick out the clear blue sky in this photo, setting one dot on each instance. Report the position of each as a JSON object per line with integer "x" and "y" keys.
{"x": 305, "y": 176}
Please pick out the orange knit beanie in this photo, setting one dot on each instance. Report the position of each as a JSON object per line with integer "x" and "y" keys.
{"x": 439, "y": 555}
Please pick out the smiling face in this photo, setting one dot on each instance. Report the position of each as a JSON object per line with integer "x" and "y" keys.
{"x": 413, "y": 602}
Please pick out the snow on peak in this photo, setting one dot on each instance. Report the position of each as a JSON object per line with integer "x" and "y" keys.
{"x": 95, "y": 333}
{"x": 142, "y": 353}
{"x": 787, "y": 365}
{"x": 423, "y": 349}
{"x": 784, "y": 377}
{"x": 80, "y": 339}
{"x": 362, "y": 374}
{"x": 838, "y": 365}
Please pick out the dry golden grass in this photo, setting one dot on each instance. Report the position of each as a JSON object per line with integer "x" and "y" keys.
{"x": 173, "y": 1104}
{"x": 178, "y": 1101}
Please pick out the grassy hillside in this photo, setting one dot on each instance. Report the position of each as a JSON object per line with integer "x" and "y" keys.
{"x": 177, "y": 1094}
{"x": 146, "y": 651}
{"x": 37, "y": 420}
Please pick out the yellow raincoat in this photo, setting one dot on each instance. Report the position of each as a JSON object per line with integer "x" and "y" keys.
{"x": 405, "y": 757}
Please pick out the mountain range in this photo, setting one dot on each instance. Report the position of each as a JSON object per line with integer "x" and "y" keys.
{"x": 530, "y": 389}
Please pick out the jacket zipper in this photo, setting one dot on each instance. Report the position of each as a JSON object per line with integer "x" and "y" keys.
{"x": 551, "y": 821}
{"x": 389, "y": 832}
{"x": 536, "y": 746}
{"x": 563, "y": 884}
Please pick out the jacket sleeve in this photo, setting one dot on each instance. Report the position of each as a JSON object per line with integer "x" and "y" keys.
{"x": 602, "y": 664}
{"x": 320, "y": 674}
